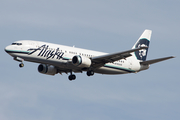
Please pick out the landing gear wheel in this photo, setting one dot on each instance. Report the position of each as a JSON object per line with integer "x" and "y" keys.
{"x": 90, "y": 73}
{"x": 21, "y": 65}
{"x": 72, "y": 77}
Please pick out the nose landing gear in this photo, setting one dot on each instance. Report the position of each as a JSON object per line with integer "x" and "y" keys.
{"x": 21, "y": 65}
{"x": 19, "y": 60}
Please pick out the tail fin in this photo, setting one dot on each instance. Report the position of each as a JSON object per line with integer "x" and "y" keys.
{"x": 143, "y": 41}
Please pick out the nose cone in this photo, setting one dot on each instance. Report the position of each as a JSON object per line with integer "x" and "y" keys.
{"x": 8, "y": 49}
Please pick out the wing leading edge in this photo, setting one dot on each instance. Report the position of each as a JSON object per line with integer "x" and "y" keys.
{"x": 114, "y": 56}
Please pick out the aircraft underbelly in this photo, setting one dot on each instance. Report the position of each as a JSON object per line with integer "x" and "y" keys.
{"x": 105, "y": 70}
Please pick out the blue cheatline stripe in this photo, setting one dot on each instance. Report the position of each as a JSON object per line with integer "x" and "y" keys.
{"x": 118, "y": 68}
{"x": 27, "y": 52}
{"x": 17, "y": 51}
{"x": 65, "y": 58}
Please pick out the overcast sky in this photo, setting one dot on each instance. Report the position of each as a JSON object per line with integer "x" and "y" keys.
{"x": 102, "y": 25}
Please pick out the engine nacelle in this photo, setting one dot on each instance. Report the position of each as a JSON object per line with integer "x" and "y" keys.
{"x": 47, "y": 69}
{"x": 81, "y": 61}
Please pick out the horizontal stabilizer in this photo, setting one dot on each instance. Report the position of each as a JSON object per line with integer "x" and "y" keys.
{"x": 155, "y": 60}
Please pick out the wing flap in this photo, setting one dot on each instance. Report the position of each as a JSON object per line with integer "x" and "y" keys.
{"x": 155, "y": 60}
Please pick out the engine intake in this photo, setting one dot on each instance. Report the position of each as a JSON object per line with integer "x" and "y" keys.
{"x": 47, "y": 69}
{"x": 81, "y": 61}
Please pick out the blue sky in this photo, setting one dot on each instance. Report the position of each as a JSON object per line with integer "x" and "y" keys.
{"x": 107, "y": 26}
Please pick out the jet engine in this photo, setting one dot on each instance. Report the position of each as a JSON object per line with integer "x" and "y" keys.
{"x": 47, "y": 69}
{"x": 81, "y": 61}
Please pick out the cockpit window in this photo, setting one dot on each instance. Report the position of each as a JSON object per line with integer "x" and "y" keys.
{"x": 16, "y": 44}
{"x": 19, "y": 43}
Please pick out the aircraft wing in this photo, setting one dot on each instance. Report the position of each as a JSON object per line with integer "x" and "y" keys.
{"x": 155, "y": 60}
{"x": 101, "y": 60}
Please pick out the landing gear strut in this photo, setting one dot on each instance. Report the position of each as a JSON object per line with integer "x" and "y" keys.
{"x": 72, "y": 77}
{"x": 19, "y": 60}
{"x": 90, "y": 73}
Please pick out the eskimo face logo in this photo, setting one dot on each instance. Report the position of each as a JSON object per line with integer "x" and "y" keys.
{"x": 143, "y": 51}
{"x": 141, "y": 54}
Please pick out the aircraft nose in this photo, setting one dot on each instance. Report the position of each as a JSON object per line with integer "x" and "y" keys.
{"x": 7, "y": 48}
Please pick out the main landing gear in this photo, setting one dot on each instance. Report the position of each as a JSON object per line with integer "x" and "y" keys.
{"x": 72, "y": 77}
{"x": 90, "y": 73}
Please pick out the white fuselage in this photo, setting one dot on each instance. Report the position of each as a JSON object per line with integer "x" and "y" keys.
{"x": 54, "y": 58}
{"x": 61, "y": 57}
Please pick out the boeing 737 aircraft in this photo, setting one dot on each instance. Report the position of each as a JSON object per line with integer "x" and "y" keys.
{"x": 55, "y": 58}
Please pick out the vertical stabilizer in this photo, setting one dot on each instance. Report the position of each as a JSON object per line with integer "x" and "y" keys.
{"x": 143, "y": 41}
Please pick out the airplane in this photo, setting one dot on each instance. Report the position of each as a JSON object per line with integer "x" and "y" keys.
{"x": 54, "y": 58}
